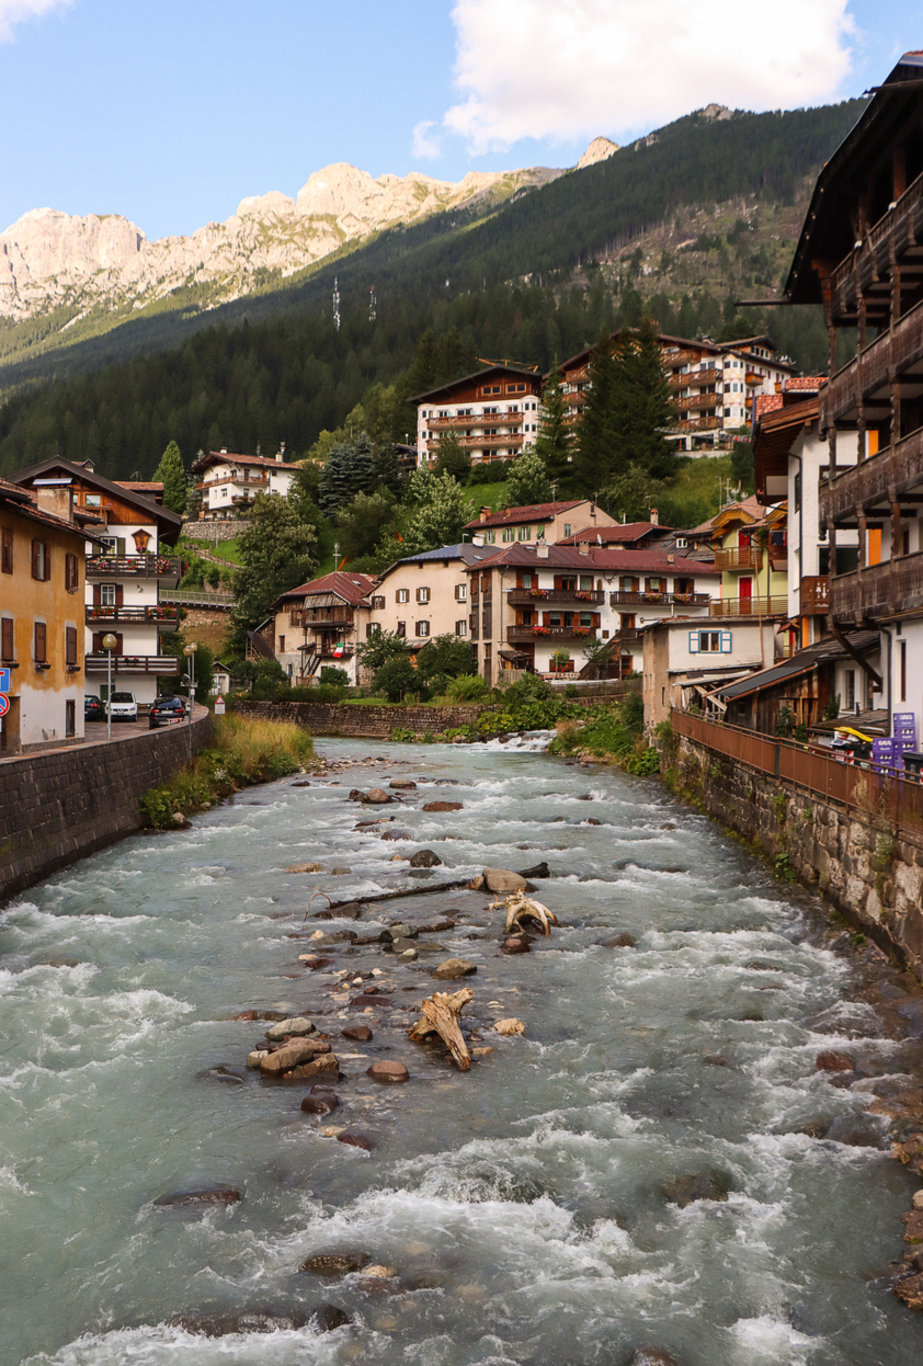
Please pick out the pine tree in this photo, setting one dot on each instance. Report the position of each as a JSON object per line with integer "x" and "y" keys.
{"x": 350, "y": 469}
{"x": 171, "y": 473}
{"x": 596, "y": 433}
{"x": 555, "y": 443}
{"x": 643, "y": 408}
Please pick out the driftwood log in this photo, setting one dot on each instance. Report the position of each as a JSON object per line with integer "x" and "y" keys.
{"x": 520, "y": 908}
{"x": 440, "y": 1016}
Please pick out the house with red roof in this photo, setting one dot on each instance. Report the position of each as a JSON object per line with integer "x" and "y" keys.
{"x": 535, "y": 522}
{"x": 320, "y": 623}
{"x": 227, "y": 484}
{"x": 542, "y": 607}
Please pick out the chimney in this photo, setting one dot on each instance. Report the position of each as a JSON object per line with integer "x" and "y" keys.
{"x": 583, "y": 547}
{"x": 477, "y": 538}
{"x": 541, "y": 549}
{"x": 280, "y": 453}
{"x": 655, "y": 517}
{"x": 58, "y": 499}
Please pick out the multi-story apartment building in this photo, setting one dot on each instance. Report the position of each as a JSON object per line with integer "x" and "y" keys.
{"x": 858, "y": 256}
{"x": 551, "y": 522}
{"x": 426, "y": 595}
{"x": 712, "y": 383}
{"x": 539, "y": 607}
{"x": 126, "y": 565}
{"x": 493, "y": 413}
{"x": 751, "y": 552}
{"x": 42, "y": 576}
{"x": 320, "y": 623}
{"x": 227, "y": 484}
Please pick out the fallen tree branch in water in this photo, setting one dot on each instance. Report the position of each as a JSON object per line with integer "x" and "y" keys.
{"x": 440, "y": 1016}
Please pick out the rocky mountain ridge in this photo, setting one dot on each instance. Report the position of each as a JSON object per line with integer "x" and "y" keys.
{"x": 50, "y": 259}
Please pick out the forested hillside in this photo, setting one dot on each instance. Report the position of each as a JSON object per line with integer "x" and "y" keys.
{"x": 677, "y": 227}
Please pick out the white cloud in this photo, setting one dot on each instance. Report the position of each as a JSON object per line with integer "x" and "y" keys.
{"x": 425, "y": 145}
{"x": 13, "y": 12}
{"x": 567, "y": 69}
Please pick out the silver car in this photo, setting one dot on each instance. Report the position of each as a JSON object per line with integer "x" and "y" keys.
{"x": 122, "y": 706}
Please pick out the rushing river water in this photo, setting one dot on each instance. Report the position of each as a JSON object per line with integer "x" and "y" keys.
{"x": 522, "y": 1205}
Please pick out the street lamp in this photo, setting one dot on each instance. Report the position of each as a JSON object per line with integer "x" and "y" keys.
{"x": 109, "y": 644}
{"x": 189, "y": 651}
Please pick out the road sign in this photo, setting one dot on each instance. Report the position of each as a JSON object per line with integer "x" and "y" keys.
{"x": 4, "y": 680}
{"x": 219, "y": 705}
{"x": 4, "y": 704}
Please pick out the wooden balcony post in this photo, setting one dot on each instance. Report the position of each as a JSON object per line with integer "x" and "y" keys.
{"x": 862, "y": 538}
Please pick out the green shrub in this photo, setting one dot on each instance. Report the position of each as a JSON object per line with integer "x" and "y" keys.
{"x": 467, "y": 688}
{"x": 337, "y": 678}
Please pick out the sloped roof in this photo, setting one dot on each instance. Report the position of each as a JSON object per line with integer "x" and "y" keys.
{"x": 351, "y": 588}
{"x": 22, "y": 501}
{"x": 606, "y": 560}
{"x": 801, "y": 663}
{"x": 169, "y": 524}
{"x": 622, "y": 534}
{"x": 532, "y": 512}
{"x": 229, "y": 458}
{"x": 443, "y": 391}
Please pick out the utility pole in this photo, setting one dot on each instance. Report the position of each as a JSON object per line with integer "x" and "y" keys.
{"x": 336, "y": 303}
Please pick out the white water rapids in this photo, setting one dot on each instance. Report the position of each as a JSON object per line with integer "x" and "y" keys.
{"x": 521, "y": 1206}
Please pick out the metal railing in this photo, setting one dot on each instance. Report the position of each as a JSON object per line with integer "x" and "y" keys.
{"x": 134, "y": 566}
{"x": 527, "y": 597}
{"x": 748, "y": 607}
{"x": 877, "y": 794}
{"x": 166, "y": 618}
{"x": 133, "y": 664}
{"x": 641, "y": 598}
{"x": 517, "y": 635}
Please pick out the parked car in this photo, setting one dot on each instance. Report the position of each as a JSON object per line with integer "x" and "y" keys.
{"x": 122, "y": 707}
{"x": 165, "y": 711}
{"x": 92, "y": 708}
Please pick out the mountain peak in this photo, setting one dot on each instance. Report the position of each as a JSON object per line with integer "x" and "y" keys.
{"x": 600, "y": 149}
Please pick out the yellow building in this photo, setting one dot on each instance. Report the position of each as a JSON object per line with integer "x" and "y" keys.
{"x": 42, "y": 577}
{"x": 750, "y": 545}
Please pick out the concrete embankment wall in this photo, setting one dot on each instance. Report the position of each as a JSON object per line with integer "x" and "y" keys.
{"x": 57, "y": 807}
{"x": 373, "y": 723}
{"x": 868, "y": 867}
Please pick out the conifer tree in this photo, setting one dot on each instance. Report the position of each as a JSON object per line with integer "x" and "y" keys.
{"x": 554, "y": 443}
{"x": 172, "y": 475}
{"x": 350, "y": 469}
{"x": 276, "y": 554}
{"x": 596, "y": 433}
{"x": 439, "y": 518}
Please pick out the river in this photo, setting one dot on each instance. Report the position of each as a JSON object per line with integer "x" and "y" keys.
{"x": 524, "y": 1207}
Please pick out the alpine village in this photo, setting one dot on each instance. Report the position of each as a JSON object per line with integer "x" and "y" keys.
{"x": 629, "y": 455}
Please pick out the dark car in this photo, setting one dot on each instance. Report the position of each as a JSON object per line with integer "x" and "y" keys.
{"x": 166, "y": 711}
{"x": 93, "y": 708}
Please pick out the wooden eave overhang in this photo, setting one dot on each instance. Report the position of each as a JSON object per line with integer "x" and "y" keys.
{"x": 828, "y": 234}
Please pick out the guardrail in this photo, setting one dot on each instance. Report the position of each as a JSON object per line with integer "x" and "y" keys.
{"x": 859, "y": 787}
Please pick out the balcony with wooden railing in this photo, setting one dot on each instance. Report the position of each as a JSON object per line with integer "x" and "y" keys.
{"x": 643, "y": 598}
{"x": 483, "y": 442}
{"x": 133, "y": 664}
{"x": 814, "y": 597}
{"x": 165, "y": 617}
{"x": 513, "y": 418}
{"x": 869, "y": 483}
{"x": 736, "y": 557}
{"x": 163, "y": 567}
{"x": 760, "y": 606}
{"x": 892, "y": 353}
{"x": 699, "y": 402}
{"x": 698, "y": 424}
{"x": 881, "y": 590}
{"x": 529, "y": 597}
{"x": 673, "y": 360}
{"x": 694, "y": 379}
{"x": 896, "y": 233}
{"x": 320, "y": 618}
{"x": 522, "y": 635}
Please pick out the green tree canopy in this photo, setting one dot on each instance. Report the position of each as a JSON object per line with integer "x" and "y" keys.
{"x": 171, "y": 473}
{"x": 452, "y": 458}
{"x": 350, "y": 469}
{"x": 379, "y": 648}
{"x": 528, "y": 481}
{"x": 447, "y": 655}
{"x": 554, "y": 442}
{"x": 439, "y": 519}
{"x": 276, "y": 553}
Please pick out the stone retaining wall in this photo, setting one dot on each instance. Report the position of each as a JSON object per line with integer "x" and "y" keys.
{"x": 871, "y": 874}
{"x": 374, "y": 723}
{"x": 224, "y": 530}
{"x": 57, "y": 807}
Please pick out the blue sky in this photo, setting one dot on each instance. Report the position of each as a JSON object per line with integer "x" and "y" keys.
{"x": 170, "y": 113}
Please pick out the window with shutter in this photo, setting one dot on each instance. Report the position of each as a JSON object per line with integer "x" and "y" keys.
{"x": 70, "y": 647}
{"x": 6, "y": 640}
{"x": 6, "y": 554}
{"x": 41, "y": 561}
{"x": 40, "y": 643}
{"x": 71, "y": 578}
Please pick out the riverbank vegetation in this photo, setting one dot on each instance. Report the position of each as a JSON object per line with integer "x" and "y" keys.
{"x": 614, "y": 733}
{"x": 244, "y": 752}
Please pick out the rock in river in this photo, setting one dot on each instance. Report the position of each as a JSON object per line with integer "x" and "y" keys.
{"x": 388, "y": 1071}
{"x": 453, "y": 968}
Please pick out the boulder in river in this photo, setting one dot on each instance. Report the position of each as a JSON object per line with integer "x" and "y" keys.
{"x": 300, "y": 1053}
{"x": 335, "y": 1264}
{"x": 453, "y": 968}
{"x": 425, "y": 858}
{"x": 516, "y": 943}
{"x": 504, "y": 880}
{"x": 303, "y": 868}
{"x": 353, "y": 1140}
{"x": 705, "y": 1185}
{"x": 442, "y": 806}
{"x": 295, "y": 1027}
{"x": 539, "y": 870}
{"x": 388, "y": 1071}
{"x": 210, "y": 1195}
{"x": 327, "y": 1317}
{"x": 652, "y": 1356}
{"x": 403, "y": 784}
{"x": 376, "y": 796}
{"x": 244, "y": 1321}
{"x": 360, "y": 1033}
{"x": 832, "y": 1061}
{"x": 318, "y": 1102}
